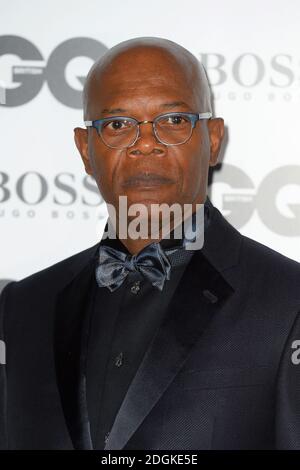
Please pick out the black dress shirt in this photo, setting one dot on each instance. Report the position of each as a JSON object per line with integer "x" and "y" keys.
{"x": 122, "y": 325}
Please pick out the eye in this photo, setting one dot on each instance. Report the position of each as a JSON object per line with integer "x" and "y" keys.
{"x": 116, "y": 125}
{"x": 174, "y": 120}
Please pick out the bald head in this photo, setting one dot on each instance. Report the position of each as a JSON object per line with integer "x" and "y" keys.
{"x": 149, "y": 59}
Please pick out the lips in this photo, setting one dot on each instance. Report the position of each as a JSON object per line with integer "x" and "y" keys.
{"x": 146, "y": 180}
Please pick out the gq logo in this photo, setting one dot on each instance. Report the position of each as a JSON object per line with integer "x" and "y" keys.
{"x": 242, "y": 202}
{"x": 30, "y": 78}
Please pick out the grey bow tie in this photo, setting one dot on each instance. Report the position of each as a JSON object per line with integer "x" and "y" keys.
{"x": 114, "y": 265}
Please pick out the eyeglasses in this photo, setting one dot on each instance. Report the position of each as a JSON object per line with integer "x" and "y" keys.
{"x": 169, "y": 129}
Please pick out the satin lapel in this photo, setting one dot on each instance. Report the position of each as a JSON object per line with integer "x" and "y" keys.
{"x": 71, "y": 327}
{"x": 198, "y": 298}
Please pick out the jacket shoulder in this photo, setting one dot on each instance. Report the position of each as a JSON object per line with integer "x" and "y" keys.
{"x": 262, "y": 254}
{"x": 267, "y": 271}
{"x": 56, "y": 275}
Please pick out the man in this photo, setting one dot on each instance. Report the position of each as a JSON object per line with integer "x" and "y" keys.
{"x": 140, "y": 343}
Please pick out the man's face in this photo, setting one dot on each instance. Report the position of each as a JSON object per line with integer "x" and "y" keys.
{"x": 148, "y": 172}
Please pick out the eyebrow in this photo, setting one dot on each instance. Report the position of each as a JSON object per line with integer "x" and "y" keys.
{"x": 173, "y": 104}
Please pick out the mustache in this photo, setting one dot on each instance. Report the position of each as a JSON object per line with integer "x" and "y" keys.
{"x": 144, "y": 178}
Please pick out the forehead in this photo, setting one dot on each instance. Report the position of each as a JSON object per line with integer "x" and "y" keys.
{"x": 136, "y": 79}
{"x": 137, "y": 92}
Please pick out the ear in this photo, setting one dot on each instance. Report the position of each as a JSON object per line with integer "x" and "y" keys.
{"x": 216, "y": 134}
{"x": 81, "y": 141}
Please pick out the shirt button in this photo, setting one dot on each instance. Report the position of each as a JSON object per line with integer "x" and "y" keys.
{"x": 106, "y": 437}
{"x": 135, "y": 287}
{"x": 119, "y": 360}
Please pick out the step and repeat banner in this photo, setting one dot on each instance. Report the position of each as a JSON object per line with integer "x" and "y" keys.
{"x": 50, "y": 209}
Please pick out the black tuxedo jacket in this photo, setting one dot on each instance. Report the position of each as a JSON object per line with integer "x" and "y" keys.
{"x": 219, "y": 374}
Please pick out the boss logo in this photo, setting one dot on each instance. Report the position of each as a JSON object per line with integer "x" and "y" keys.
{"x": 249, "y": 70}
{"x": 32, "y": 188}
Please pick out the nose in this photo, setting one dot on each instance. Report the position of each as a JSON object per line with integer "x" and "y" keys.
{"x": 146, "y": 142}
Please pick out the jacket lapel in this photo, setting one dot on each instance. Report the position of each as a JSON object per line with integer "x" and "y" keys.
{"x": 70, "y": 339}
{"x": 199, "y": 296}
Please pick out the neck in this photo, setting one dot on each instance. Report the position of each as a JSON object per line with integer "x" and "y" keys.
{"x": 135, "y": 246}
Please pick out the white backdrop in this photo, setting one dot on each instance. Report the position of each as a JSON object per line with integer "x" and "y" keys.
{"x": 50, "y": 209}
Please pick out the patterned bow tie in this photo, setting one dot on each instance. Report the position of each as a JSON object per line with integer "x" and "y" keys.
{"x": 114, "y": 265}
